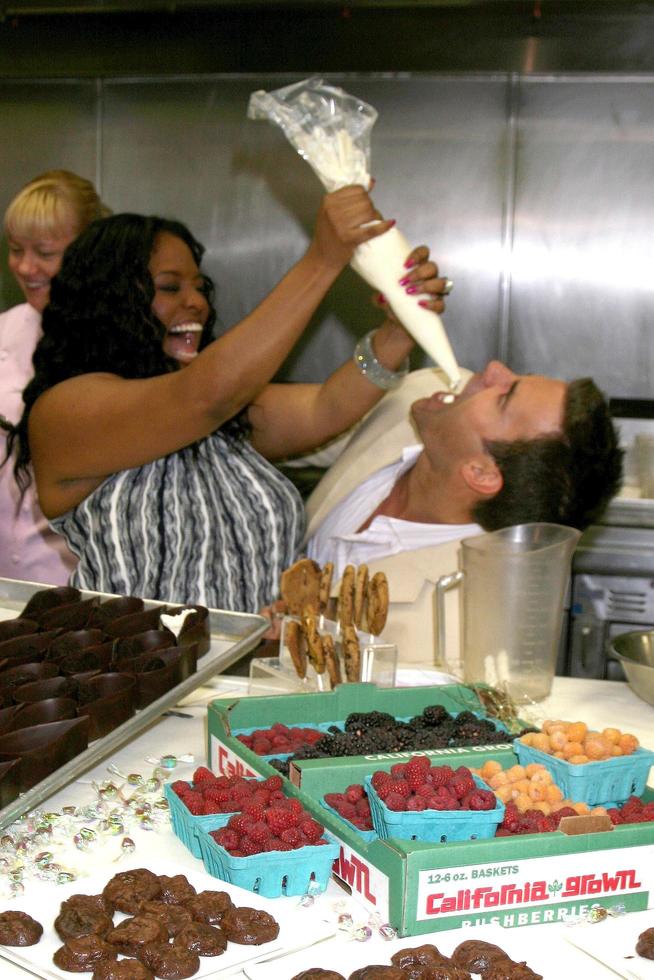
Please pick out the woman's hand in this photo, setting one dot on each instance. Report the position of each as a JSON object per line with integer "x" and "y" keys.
{"x": 421, "y": 277}
{"x": 340, "y": 225}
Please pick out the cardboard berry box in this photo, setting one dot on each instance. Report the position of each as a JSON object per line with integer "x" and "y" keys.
{"x": 420, "y": 887}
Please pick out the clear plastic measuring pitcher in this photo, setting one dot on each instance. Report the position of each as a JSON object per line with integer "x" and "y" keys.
{"x": 514, "y": 582}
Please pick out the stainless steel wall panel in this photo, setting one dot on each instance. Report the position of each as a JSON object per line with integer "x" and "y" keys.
{"x": 583, "y": 250}
{"x": 44, "y": 125}
{"x": 438, "y": 157}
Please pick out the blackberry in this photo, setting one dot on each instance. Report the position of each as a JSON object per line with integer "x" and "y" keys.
{"x": 281, "y": 765}
{"x": 360, "y": 721}
{"x": 435, "y": 714}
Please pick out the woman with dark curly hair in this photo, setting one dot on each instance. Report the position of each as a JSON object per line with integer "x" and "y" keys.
{"x": 158, "y": 477}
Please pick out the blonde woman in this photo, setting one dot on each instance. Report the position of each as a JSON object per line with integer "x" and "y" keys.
{"x": 44, "y": 217}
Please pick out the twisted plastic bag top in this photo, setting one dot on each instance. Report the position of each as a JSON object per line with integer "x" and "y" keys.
{"x": 329, "y": 128}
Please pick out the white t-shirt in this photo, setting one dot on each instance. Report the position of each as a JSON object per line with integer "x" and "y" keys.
{"x": 338, "y": 540}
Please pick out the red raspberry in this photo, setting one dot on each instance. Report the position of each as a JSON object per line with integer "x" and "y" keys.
{"x": 425, "y": 790}
{"x": 481, "y": 799}
{"x": 238, "y": 822}
{"x": 415, "y": 773}
{"x": 202, "y": 775}
{"x": 194, "y": 801}
{"x": 208, "y": 807}
{"x": 262, "y": 746}
{"x": 311, "y": 829}
{"x": 394, "y": 801}
{"x": 334, "y": 799}
{"x": 416, "y": 803}
{"x": 564, "y": 811}
{"x": 347, "y": 810}
{"x": 614, "y": 814}
{"x": 277, "y": 844}
{"x": 439, "y": 775}
{"x": 245, "y": 740}
{"x": 250, "y": 847}
{"x": 261, "y": 796}
{"x": 402, "y": 787}
{"x": 279, "y": 819}
{"x": 254, "y": 811}
{"x": 216, "y": 795}
{"x": 438, "y": 803}
{"x": 272, "y": 783}
{"x": 226, "y": 837}
{"x": 259, "y": 831}
{"x": 461, "y": 786}
{"x": 311, "y": 735}
{"x": 355, "y": 792}
{"x": 276, "y": 795}
{"x": 292, "y": 836}
{"x": 180, "y": 787}
{"x": 380, "y": 778}
{"x": 292, "y": 804}
{"x": 363, "y": 808}
{"x": 398, "y": 771}
{"x": 278, "y": 728}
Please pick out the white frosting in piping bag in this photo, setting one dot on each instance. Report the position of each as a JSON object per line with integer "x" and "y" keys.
{"x": 331, "y": 131}
{"x": 381, "y": 263}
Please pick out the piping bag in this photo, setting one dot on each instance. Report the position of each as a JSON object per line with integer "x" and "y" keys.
{"x": 331, "y": 131}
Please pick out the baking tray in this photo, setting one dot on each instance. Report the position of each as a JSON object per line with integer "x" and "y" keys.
{"x": 232, "y": 635}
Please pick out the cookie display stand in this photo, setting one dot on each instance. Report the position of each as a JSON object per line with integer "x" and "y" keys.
{"x": 270, "y": 675}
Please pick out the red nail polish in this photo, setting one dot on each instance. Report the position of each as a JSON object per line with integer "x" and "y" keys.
{"x": 409, "y": 264}
{"x": 411, "y": 290}
{"x": 424, "y": 302}
{"x": 392, "y": 223}
{"x": 405, "y": 281}
{"x": 381, "y": 299}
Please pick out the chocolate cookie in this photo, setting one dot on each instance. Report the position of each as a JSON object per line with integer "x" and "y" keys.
{"x": 131, "y": 935}
{"x": 128, "y": 889}
{"x": 346, "y": 597}
{"x": 360, "y": 594}
{"x": 315, "y": 651}
{"x": 325, "y": 587}
{"x": 170, "y": 962}
{"x": 300, "y": 586}
{"x": 478, "y": 956}
{"x": 174, "y": 917}
{"x": 19, "y": 929}
{"x": 509, "y": 970}
{"x": 645, "y": 944}
{"x": 331, "y": 660}
{"x": 202, "y": 939}
{"x": 175, "y": 890}
{"x": 317, "y": 973}
{"x": 426, "y": 955}
{"x": 72, "y": 922}
{"x": 296, "y": 644}
{"x": 122, "y": 970}
{"x": 209, "y": 907}
{"x": 376, "y": 972}
{"x": 377, "y": 604}
{"x": 97, "y": 902}
{"x": 351, "y": 653}
{"x": 249, "y": 927}
{"x": 82, "y": 955}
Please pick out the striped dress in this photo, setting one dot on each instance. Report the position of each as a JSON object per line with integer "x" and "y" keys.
{"x": 214, "y": 523}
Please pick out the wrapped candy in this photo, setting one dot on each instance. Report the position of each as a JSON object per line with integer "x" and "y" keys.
{"x": 330, "y": 129}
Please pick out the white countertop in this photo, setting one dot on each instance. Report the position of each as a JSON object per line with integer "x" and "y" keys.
{"x": 599, "y": 703}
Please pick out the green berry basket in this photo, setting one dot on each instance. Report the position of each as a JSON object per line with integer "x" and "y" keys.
{"x": 437, "y": 826}
{"x": 272, "y": 873}
{"x": 187, "y": 826}
{"x": 613, "y": 780}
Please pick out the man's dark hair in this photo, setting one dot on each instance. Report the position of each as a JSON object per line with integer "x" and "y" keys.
{"x": 563, "y": 478}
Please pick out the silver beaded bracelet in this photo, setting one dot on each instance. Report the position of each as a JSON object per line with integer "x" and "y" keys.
{"x": 374, "y": 370}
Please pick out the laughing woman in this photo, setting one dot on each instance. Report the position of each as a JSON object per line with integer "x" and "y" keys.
{"x": 151, "y": 444}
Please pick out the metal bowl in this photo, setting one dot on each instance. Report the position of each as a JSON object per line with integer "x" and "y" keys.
{"x": 635, "y": 651}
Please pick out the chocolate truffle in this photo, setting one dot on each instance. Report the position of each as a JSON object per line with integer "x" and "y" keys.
{"x": 209, "y": 906}
{"x": 170, "y": 962}
{"x": 83, "y": 954}
{"x": 128, "y": 889}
